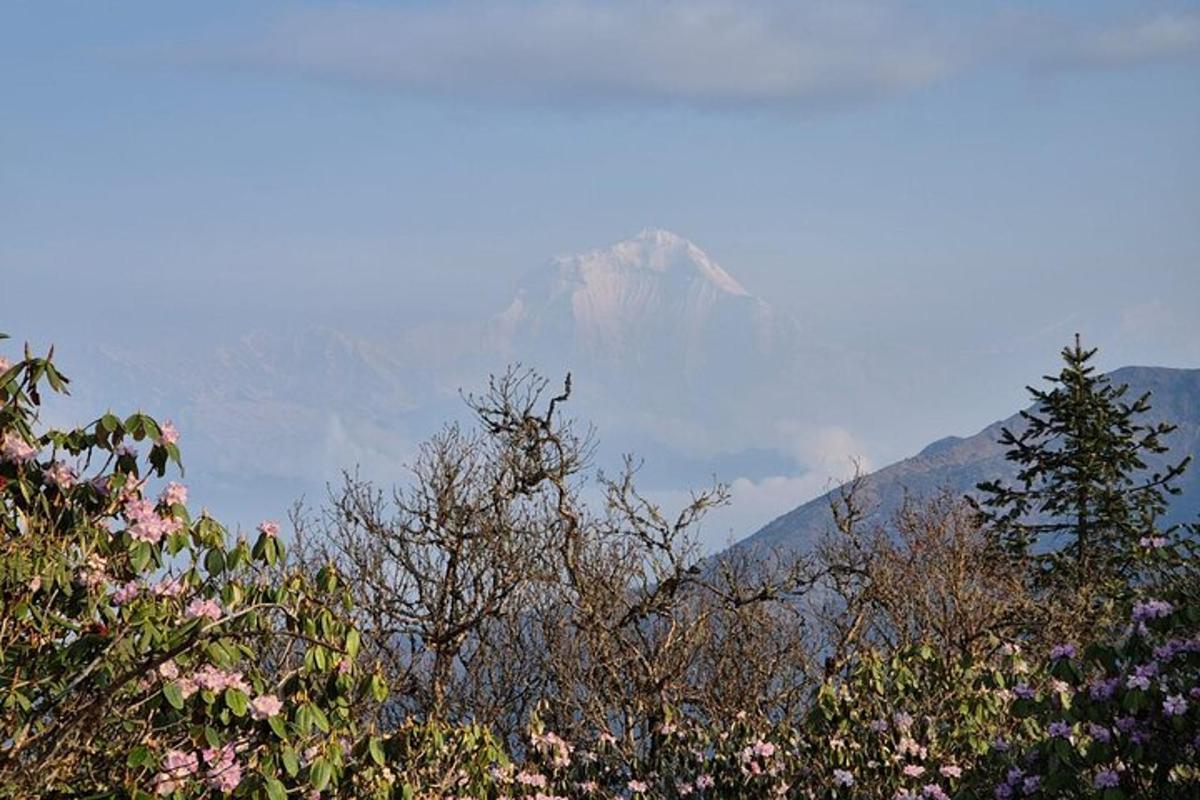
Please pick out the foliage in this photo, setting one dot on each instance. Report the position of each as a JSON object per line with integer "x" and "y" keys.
{"x": 1084, "y": 509}
{"x": 545, "y": 649}
{"x": 141, "y": 651}
{"x": 1119, "y": 720}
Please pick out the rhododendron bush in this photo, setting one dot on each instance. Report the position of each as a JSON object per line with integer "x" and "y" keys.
{"x": 141, "y": 651}
{"x": 1119, "y": 720}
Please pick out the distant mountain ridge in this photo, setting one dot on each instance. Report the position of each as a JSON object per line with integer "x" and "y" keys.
{"x": 958, "y": 464}
{"x": 656, "y": 298}
{"x": 674, "y": 360}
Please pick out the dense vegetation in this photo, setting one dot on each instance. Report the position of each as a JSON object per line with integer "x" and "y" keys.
{"x": 482, "y": 631}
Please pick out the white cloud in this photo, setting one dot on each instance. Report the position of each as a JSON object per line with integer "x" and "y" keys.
{"x": 1139, "y": 40}
{"x": 754, "y": 503}
{"x": 830, "y": 449}
{"x": 707, "y": 53}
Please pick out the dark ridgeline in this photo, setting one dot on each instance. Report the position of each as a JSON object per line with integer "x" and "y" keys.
{"x": 959, "y": 464}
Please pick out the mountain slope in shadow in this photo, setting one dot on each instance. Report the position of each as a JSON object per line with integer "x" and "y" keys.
{"x": 958, "y": 464}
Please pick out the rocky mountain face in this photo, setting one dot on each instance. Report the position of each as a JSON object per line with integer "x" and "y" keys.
{"x": 958, "y": 464}
{"x": 655, "y": 300}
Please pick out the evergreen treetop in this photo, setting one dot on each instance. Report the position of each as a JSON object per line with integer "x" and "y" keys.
{"x": 1084, "y": 501}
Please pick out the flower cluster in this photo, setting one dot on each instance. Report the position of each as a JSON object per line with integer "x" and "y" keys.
{"x": 154, "y": 654}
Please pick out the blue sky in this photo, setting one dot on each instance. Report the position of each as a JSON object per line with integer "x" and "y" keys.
{"x": 965, "y": 183}
{"x": 281, "y": 149}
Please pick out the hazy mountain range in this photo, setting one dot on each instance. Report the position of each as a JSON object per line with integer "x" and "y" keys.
{"x": 673, "y": 359}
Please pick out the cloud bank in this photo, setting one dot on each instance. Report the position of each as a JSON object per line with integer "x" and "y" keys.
{"x": 706, "y": 53}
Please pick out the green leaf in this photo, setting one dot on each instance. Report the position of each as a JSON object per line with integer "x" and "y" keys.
{"x": 275, "y": 790}
{"x": 237, "y": 701}
{"x": 319, "y": 774}
{"x": 277, "y": 724}
{"x": 214, "y": 562}
{"x": 139, "y": 556}
{"x": 211, "y": 736}
{"x": 353, "y": 641}
{"x": 290, "y": 763}
{"x": 319, "y": 718}
{"x": 378, "y": 688}
{"x": 138, "y": 757}
{"x": 375, "y": 747}
{"x": 174, "y": 695}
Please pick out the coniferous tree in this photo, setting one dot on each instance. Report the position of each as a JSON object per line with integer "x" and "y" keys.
{"x": 1084, "y": 504}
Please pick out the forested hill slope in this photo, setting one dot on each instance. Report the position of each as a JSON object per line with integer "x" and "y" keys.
{"x": 960, "y": 463}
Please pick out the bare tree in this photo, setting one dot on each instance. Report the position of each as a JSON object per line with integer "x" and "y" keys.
{"x": 449, "y": 556}
{"x": 926, "y": 574}
{"x": 488, "y": 586}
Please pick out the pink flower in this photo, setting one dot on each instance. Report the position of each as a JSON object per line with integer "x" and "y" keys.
{"x": 59, "y": 474}
{"x": 531, "y": 778}
{"x": 214, "y": 680}
{"x": 842, "y": 777}
{"x": 126, "y": 593}
{"x": 94, "y": 572}
{"x": 175, "y": 494}
{"x": 177, "y": 767}
{"x": 169, "y": 434}
{"x": 764, "y": 749}
{"x": 146, "y": 525}
{"x": 149, "y": 531}
{"x": 1175, "y": 705}
{"x": 136, "y": 508}
{"x": 637, "y": 786}
{"x": 268, "y": 528}
{"x": 951, "y": 771}
{"x": 1151, "y": 609}
{"x": 209, "y": 609}
{"x": 14, "y": 448}
{"x": 705, "y": 781}
{"x": 913, "y": 770}
{"x": 168, "y": 670}
{"x": 268, "y": 705}
{"x": 1062, "y": 651}
{"x": 168, "y": 587}
{"x": 181, "y": 763}
{"x": 224, "y": 773}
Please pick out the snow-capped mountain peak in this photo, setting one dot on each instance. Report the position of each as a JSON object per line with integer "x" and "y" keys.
{"x": 654, "y": 299}
{"x": 657, "y": 251}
